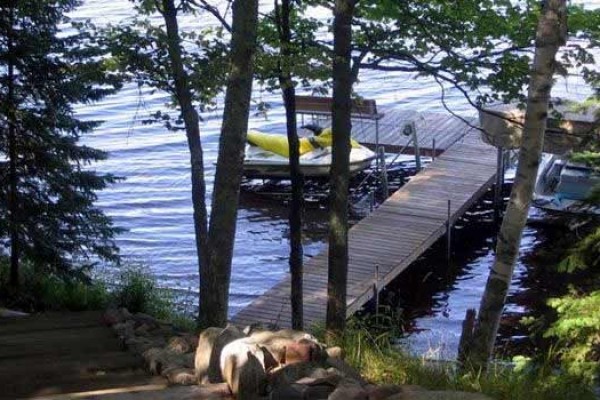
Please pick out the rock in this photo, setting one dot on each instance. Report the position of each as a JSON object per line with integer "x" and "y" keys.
{"x": 125, "y": 329}
{"x": 159, "y": 360}
{"x": 144, "y": 319}
{"x": 242, "y": 367}
{"x": 180, "y": 376}
{"x": 139, "y": 345}
{"x": 114, "y": 316}
{"x": 226, "y": 336}
{"x": 349, "y": 391}
{"x": 288, "y": 346}
{"x": 143, "y": 329}
{"x": 152, "y": 357}
{"x": 289, "y": 392}
{"x": 206, "y": 341}
{"x": 293, "y": 373}
{"x": 335, "y": 352}
{"x": 437, "y": 395}
{"x": 346, "y": 370}
{"x": 178, "y": 344}
{"x": 382, "y": 392}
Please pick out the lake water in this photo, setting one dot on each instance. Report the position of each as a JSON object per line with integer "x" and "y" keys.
{"x": 154, "y": 205}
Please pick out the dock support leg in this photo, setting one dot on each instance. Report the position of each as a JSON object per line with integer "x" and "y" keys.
{"x": 449, "y": 233}
{"x": 498, "y": 185}
{"x": 383, "y": 174}
{"x": 433, "y": 150}
{"x": 415, "y": 140}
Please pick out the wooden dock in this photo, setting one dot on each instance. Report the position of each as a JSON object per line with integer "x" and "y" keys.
{"x": 394, "y": 235}
{"x": 443, "y": 129}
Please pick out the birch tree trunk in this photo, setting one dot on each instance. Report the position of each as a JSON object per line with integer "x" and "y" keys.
{"x": 551, "y": 34}
{"x": 340, "y": 169}
{"x": 216, "y": 277}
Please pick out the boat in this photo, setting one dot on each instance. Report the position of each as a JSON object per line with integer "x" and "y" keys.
{"x": 267, "y": 155}
{"x": 563, "y": 185}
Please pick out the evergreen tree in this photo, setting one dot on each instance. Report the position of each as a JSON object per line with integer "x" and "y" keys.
{"x": 47, "y": 190}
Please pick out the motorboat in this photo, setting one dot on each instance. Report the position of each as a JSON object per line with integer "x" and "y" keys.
{"x": 267, "y": 155}
{"x": 563, "y": 185}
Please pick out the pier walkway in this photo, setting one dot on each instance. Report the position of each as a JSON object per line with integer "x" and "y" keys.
{"x": 393, "y": 236}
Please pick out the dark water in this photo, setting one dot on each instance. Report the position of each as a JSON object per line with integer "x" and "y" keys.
{"x": 154, "y": 205}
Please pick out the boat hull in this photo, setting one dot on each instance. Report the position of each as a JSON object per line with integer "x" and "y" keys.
{"x": 261, "y": 164}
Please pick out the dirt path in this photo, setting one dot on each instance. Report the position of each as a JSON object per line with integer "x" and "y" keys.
{"x": 59, "y": 353}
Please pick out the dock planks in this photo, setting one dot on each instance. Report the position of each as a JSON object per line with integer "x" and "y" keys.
{"x": 394, "y": 235}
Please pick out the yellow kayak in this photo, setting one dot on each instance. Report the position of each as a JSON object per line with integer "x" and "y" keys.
{"x": 278, "y": 144}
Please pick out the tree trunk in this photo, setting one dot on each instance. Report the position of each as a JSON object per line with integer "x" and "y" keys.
{"x": 214, "y": 281}
{"x": 13, "y": 177}
{"x": 340, "y": 170}
{"x": 296, "y": 209}
{"x": 192, "y": 131}
{"x": 551, "y": 34}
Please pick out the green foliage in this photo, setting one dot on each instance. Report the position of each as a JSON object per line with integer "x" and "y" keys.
{"x": 578, "y": 331}
{"x": 140, "y": 50}
{"x": 49, "y": 292}
{"x": 47, "y": 190}
{"x": 482, "y": 48}
{"x": 382, "y": 362}
{"x": 138, "y": 291}
{"x": 310, "y": 60}
{"x": 585, "y": 255}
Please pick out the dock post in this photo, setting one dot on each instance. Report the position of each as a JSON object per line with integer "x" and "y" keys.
{"x": 449, "y": 233}
{"x": 498, "y": 185}
{"x": 377, "y": 142}
{"x": 433, "y": 149}
{"x": 383, "y": 174}
{"x": 371, "y": 201}
{"x": 376, "y": 292}
{"x": 416, "y": 144}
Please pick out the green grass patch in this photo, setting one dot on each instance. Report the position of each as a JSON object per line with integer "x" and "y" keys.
{"x": 373, "y": 353}
{"x": 132, "y": 287}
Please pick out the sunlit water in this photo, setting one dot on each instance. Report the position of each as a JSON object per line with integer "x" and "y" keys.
{"x": 153, "y": 202}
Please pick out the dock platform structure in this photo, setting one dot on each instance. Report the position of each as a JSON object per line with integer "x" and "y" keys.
{"x": 394, "y": 235}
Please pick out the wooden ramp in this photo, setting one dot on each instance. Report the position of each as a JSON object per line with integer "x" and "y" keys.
{"x": 53, "y": 354}
{"x": 392, "y": 237}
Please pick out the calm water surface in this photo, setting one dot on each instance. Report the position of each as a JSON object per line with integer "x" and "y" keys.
{"x": 154, "y": 205}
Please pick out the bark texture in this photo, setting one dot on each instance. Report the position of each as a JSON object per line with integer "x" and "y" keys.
{"x": 296, "y": 209}
{"x": 340, "y": 171}
{"x": 551, "y": 34}
{"x": 192, "y": 131}
{"x": 215, "y": 278}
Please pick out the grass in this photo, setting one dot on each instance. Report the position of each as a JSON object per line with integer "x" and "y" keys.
{"x": 373, "y": 353}
{"x": 135, "y": 289}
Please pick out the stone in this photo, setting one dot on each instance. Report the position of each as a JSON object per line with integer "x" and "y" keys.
{"x": 346, "y": 370}
{"x": 206, "y": 341}
{"x": 349, "y": 391}
{"x": 178, "y": 344}
{"x": 288, "y": 392}
{"x": 139, "y": 345}
{"x": 293, "y": 373}
{"x": 437, "y": 395}
{"x": 335, "y": 352}
{"x": 180, "y": 376}
{"x": 382, "y": 392}
{"x": 289, "y": 346}
{"x": 125, "y": 329}
{"x": 226, "y": 336}
{"x": 242, "y": 367}
{"x": 113, "y": 316}
{"x": 152, "y": 357}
